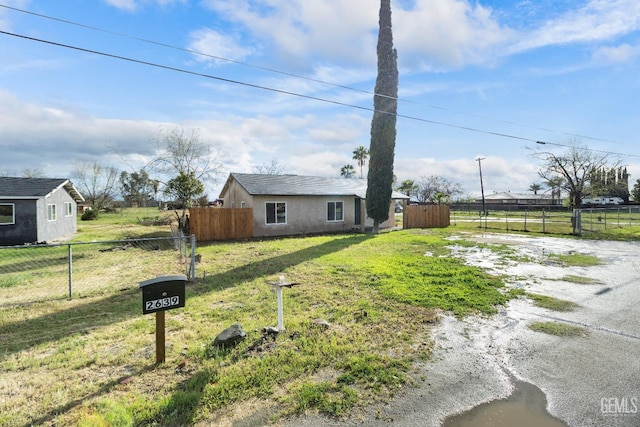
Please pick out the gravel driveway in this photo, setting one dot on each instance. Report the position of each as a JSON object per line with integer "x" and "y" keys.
{"x": 592, "y": 380}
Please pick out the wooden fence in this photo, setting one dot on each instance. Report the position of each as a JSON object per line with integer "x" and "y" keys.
{"x": 426, "y": 216}
{"x": 221, "y": 223}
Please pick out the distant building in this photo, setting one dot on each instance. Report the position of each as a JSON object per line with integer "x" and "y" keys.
{"x": 37, "y": 209}
{"x": 509, "y": 198}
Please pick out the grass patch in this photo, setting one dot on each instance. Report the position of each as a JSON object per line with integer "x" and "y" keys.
{"x": 576, "y": 260}
{"x": 559, "y": 329}
{"x": 580, "y": 280}
{"x": 551, "y": 303}
{"x": 89, "y": 360}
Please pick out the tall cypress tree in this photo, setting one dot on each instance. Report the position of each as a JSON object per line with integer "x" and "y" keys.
{"x": 383, "y": 124}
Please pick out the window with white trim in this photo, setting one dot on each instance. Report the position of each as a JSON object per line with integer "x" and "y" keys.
{"x": 335, "y": 211}
{"x": 7, "y": 214}
{"x": 68, "y": 209}
{"x": 276, "y": 212}
{"x": 52, "y": 213}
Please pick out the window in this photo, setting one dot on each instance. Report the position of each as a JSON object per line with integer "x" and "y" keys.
{"x": 7, "y": 214}
{"x": 52, "y": 214}
{"x": 335, "y": 211}
{"x": 68, "y": 209}
{"x": 276, "y": 212}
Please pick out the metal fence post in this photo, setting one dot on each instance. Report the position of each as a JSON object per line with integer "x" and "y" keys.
{"x": 193, "y": 257}
{"x": 577, "y": 222}
{"x": 70, "y": 266}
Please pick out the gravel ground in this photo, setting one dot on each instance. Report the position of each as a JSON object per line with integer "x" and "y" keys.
{"x": 588, "y": 381}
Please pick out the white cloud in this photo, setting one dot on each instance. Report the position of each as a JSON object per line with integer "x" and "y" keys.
{"x": 301, "y": 30}
{"x": 445, "y": 34}
{"x": 215, "y": 44}
{"x": 5, "y": 14}
{"x": 133, "y": 5}
{"x": 129, "y": 5}
{"x": 596, "y": 21}
{"x": 616, "y": 54}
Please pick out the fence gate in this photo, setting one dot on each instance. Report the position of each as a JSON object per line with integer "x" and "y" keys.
{"x": 600, "y": 219}
{"x": 426, "y": 216}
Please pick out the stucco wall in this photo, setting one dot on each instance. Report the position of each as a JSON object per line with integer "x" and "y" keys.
{"x": 305, "y": 214}
{"x": 63, "y": 225}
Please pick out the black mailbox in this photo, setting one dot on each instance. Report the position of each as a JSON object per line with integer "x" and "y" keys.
{"x": 163, "y": 293}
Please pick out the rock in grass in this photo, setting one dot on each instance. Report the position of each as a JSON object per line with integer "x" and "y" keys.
{"x": 321, "y": 323}
{"x": 230, "y": 336}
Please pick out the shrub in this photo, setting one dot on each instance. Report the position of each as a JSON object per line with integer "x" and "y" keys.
{"x": 89, "y": 215}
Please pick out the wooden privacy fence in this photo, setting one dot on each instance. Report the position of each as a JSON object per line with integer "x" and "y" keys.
{"x": 221, "y": 223}
{"x": 426, "y": 216}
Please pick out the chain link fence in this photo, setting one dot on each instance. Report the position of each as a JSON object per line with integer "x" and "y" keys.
{"x": 599, "y": 219}
{"x": 557, "y": 221}
{"x": 39, "y": 273}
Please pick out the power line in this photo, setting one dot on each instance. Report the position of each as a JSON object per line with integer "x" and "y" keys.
{"x": 272, "y": 70}
{"x": 195, "y": 52}
{"x": 281, "y": 91}
{"x": 589, "y": 149}
{"x": 255, "y": 86}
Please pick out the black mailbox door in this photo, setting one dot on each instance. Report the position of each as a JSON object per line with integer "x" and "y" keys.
{"x": 163, "y": 295}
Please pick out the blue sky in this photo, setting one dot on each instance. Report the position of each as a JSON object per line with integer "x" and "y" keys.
{"x": 477, "y": 79}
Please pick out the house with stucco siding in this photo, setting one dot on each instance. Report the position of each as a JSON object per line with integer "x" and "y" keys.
{"x": 295, "y": 204}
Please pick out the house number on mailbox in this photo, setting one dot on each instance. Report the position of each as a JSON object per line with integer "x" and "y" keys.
{"x": 162, "y": 303}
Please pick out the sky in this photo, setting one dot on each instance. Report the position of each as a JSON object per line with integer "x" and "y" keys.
{"x": 293, "y": 80}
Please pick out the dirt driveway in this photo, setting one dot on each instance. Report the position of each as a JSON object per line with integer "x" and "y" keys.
{"x": 591, "y": 380}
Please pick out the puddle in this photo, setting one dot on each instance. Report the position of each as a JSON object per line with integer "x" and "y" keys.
{"x": 526, "y": 407}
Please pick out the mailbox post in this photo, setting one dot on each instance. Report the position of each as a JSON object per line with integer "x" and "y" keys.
{"x": 158, "y": 295}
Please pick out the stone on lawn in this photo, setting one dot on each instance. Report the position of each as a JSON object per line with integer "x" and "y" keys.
{"x": 230, "y": 336}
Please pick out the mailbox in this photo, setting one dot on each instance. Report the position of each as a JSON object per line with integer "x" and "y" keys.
{"x": 163, "y": 293}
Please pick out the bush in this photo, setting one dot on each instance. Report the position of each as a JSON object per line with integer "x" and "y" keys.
{"x": 89, "y": 215}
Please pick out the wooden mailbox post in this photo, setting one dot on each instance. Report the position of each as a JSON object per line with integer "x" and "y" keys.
{"x": 158, "y": 295}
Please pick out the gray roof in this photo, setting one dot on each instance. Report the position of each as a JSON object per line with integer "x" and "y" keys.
{"x": 35, "y": 188}
{"x": 517, "y": 196}
{"x": 297, "y": 185}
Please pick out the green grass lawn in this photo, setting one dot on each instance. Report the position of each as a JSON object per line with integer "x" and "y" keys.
{"x": 89, "y": 361}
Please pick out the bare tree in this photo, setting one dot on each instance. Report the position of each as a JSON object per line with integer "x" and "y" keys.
{"x": 437, "y": 189}
{"x": 272, "y": 168}
{"x": 189, "y": 163}
{"x": 180, "y": 151}
{"x": 572, "y": 169}
{"x": 32, "y": 173}
{"x": 97, "y": 182}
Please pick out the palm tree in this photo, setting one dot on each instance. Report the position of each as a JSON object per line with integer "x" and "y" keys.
{"x": 347, "y": 171}
{"x": 361, "y": 154}
{"x": 408, "y": 187}
{"x": 535, "y": 188}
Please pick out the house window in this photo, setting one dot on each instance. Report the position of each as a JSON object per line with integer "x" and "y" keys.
{"x": 242, "y": 204}
{"x": 52, "y": 213}
{"x": 68, "y": 209}
{"x": 7, "y": 214}
{"x": 335, "y": 211}
{"x": 276, "y": 212}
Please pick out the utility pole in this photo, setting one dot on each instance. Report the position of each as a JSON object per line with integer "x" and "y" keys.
{"x": 484, "y": 211}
